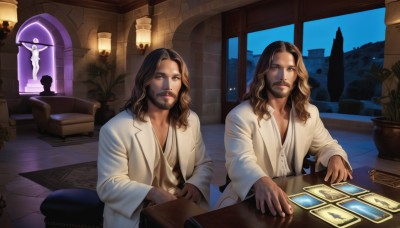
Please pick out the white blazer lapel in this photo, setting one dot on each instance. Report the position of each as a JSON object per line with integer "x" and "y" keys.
{"x": 266, "y": 133}
{"x": 184, "y": 148}
{"x": 145, "y": 138}
{"x": 299, "y": 130}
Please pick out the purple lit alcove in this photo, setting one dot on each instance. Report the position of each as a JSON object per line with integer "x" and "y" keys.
{"x": 45, "y": 30}
{"x": 35, "y": 34}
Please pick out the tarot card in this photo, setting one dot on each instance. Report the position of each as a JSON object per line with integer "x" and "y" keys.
{"x": 365, "y": 210}
{"x": 335, "y": 216}
{"x": 306, "y": 200}
{"x": 381, "y": 201}
{"x": 325, "y": 192}
{"x": 348, "y": 188}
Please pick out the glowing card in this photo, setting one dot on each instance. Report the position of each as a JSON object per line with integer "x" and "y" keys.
{"x": 348, "y": 188}
{"x": 381, "y": 201}
{"x": 306, "y": 200}
{"x": 325, "y": 192}
{"x": 335, "y": 216}
{"x": 365, "y": 210}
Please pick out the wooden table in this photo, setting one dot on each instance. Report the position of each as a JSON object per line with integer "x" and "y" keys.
{"x": 245, "y": 214}
{"x": 169, "y": 215}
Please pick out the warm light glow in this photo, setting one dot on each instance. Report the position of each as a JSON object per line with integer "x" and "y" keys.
{"x": 104, "y": 43}
{"x": 8, "y": 12}
{"x": 143, "y": 34}
{"x": 8, "y": 17}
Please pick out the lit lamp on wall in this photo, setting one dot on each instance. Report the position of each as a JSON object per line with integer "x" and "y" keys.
{"x": 8, "y": 17}
{"x": 104, "y": 44}
{"x": 143, "y": 34}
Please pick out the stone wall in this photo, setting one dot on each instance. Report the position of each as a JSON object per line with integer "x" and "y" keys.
{"x": 191, "y": 27}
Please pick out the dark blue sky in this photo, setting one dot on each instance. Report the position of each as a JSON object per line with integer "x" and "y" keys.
{"x": 357, "y": 29}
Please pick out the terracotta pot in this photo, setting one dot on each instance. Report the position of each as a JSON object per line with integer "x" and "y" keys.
{"x": 386, "y": 136}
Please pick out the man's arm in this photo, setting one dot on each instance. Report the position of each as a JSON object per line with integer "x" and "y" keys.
{"x": 114, "y": 186}
{"x": 159, "y": 195}
{"x": 190, "y": 192}
{"x": 197, "y": 186}
{"x": 243, "y": 168}
{"x": 328, "y": 151}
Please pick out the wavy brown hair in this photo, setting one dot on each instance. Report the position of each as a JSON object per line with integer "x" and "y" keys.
{"x": 138, "y": 102}
{"x": 257, "y": 93}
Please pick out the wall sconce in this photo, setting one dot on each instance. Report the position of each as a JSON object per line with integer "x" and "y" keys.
{"x": 8, "y": 17}
{"x": 143, "y": 34}
{"x": 104, "y": 44}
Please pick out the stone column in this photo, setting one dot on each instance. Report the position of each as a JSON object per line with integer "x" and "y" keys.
{"x": 392, "y": 21}
{"x": 392, "y": 47}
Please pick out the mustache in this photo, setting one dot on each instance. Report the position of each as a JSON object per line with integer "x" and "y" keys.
{"x": 282, "y": 83}
{"x": 167, "y": 93}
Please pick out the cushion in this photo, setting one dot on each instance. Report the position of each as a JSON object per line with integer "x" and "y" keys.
{"x": 73, "y": 203}
{"x": 71, "y": 118}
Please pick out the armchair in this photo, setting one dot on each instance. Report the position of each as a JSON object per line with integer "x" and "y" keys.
{"x": 6, "y": 121}
{"x": 62, "y": 116}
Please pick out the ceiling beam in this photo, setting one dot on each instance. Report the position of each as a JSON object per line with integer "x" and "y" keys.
{"x": 117, "y": 6}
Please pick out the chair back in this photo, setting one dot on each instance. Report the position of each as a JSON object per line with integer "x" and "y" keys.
{"x": 59, "y": 104}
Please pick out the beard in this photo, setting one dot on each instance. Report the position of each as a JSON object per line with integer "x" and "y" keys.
{"x": 160, "y": 102}
{"x": 278, "y": 92}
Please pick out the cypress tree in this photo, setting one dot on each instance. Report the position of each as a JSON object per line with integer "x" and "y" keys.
{"x": 336, "y": 68}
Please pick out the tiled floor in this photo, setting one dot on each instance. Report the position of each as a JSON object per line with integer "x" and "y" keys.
{"x": 27, "y": 153}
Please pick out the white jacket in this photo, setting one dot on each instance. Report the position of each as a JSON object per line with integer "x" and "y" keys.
{"x": 126, "y": 163}
{"x": 248, "y": 155}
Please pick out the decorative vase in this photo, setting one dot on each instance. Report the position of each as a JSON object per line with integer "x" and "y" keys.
{"x": 386, "y": 136}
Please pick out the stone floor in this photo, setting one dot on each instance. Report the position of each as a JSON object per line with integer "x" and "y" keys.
{"x": 28, "y": 153}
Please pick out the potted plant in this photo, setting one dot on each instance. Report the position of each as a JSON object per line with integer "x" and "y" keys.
{"x": 386, "y": 131}
{"x": 103, "y": 82}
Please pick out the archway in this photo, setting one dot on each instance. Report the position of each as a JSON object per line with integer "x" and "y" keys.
{"x": 44, "y": 49}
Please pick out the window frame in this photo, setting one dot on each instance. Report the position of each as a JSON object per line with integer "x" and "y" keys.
{"x": 270, "y": 14}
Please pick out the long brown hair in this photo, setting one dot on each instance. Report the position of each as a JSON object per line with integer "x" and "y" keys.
{"x": 138, "y": 102}
{"x": 258, "y": 87}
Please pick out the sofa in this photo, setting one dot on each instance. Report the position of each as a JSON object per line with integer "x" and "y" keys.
{"x": 63, "y": 116}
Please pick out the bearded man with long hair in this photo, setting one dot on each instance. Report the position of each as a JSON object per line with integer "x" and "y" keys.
{"x": 153, "y": 151}
{"x": 273, "y": 129}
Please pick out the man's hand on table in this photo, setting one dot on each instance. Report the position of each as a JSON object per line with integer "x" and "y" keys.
{"x": 268, "y": 192}
{"x": 337, "y": 170}
{"x": 190, "y": 192}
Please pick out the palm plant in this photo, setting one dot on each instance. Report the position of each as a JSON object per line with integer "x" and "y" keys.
{"x": 103, "y": 80}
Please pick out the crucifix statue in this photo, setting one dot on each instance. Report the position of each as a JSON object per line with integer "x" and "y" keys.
{"x": 35, "y": 56}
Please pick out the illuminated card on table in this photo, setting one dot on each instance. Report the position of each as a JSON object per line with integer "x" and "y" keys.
{"x": 381, "y": 201}
{"x": 348, "y": 188}
{"x": 335, "y": 216}
{"x": 365, "y": 210}
{"x": 306, "y": 200}
{"x": 325, "y": 192}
